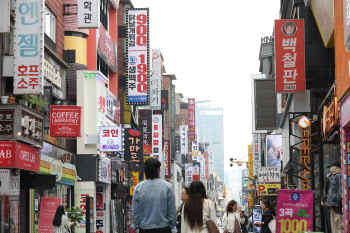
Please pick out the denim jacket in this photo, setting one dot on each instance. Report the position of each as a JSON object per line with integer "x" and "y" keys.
{"x": 153, "y": 204}
{"x": 334, "y": 195}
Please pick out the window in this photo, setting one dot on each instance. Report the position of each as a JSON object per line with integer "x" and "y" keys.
{"x": 50, "y": 25}
{"x": 104, "y": 13}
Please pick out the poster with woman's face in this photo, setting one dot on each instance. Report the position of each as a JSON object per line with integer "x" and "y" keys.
{"x": 274, "y": 151}
{"x": 256, "y": 217}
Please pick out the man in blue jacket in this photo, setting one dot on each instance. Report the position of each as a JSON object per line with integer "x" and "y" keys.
{"x": 153, "y": 202}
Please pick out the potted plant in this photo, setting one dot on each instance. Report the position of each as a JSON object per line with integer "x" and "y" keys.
{"x": 35, "y": 101}
{"x": 75, "y": 214}
{"x": 4, "y": 99}
{"x": 12, "y": 100}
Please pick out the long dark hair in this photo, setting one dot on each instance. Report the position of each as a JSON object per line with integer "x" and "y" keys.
{"x": 187, "y": 189}
{"x": 230, "y": 205}
{"x": 268, "y": 204}
{"x": 193, "y": 211}
{"x": 57, "y": 220}
{"x": 151, "y": 168}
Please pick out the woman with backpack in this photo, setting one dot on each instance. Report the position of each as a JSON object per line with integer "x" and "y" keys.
{"x": 267, "y": 217}
{"x": 232, "y": 220}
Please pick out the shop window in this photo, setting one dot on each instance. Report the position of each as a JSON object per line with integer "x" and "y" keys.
{"x": 102, "y": 66}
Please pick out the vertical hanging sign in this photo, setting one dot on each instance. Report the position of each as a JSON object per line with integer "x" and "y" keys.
{"x": 28, "y": 47}
{"x": 145, "y": 123}
{"x": 156, "y": 80}
{"x": 290, "y": 55}
{"x": 137, "y": 43}
{"x": 157, "y": 136}
{"x": 256, "y": 153}
{"x": 184, "y": 139}
{"x": 191, "y": 119}
{"x": 167, "y": 158}
{"x": 88, "y": 14}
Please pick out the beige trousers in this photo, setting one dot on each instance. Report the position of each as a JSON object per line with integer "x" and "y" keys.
{"x": 336, "y": 221}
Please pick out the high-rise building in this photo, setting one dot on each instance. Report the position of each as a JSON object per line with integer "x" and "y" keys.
{"x": 210, "y": 128}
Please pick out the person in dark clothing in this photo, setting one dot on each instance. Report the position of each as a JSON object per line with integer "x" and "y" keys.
{"x": 184, "y": 195}
{"x": 267, "y": 216}
{"x": 244, "y": 225}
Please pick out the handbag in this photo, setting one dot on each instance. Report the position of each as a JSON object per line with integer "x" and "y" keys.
{"x": 272, "y": 225}
{"x": 237, "y": 226}
{"x": 211, "y": 226}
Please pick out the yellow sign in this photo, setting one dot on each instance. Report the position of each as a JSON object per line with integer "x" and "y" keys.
{"x": 268, "y": 189}
{"x": 304, "y": 122}
{"x": 56, "y": 169}
{"x": 135, "y": 181}
{"x": 250, "y": 170}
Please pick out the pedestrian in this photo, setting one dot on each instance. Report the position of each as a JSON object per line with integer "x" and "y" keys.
{"x": 232, "y": 218}
{"x": 184, "y": 195}
{"x": 268, "y": 215}
{"x": 153, "y": 202}
{"x": 60, "y": 222}
{"x": 244, "y": 225}
{"x": 197, "y": 210}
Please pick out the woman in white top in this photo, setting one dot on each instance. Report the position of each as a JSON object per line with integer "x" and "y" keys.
{"x": 232, "y": 217}
{"x": 197, "y": 210}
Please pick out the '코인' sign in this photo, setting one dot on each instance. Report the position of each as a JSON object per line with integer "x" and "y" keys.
{"x": 110, "y": 139}
{"x": 290, "y": 55}
{"x": 65, "y": 121}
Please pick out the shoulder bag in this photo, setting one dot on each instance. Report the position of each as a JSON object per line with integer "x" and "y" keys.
{"x": 272, "y": 225}
{"x": 237, "y": 226}
{"x": 212, "y": 228}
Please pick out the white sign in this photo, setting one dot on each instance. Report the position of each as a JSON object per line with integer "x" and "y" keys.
{"x": 156, "y": 80}
{"x": 201, "y": 160}
{"x": 138, "y": 57}
{"x": 104, "y": 170}
{"x": 112, "y": 107}
{"x": 256, "y": 153}
{"x": 5, "y": 16}
{"x": 195, "y": 151}
{"x": 56, "y": 169}
{"x": 88, "y": 14}
{"x": 110, "y": 139}
{"x": 29, "y": 47}
{"x": 188, "y": 174}
{"x": 157, "y": 142}
{"x": 184, "y": 139}
{"x": 211, "y": 163}
{"x": 269, "y": 175}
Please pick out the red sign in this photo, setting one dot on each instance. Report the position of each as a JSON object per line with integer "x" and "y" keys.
{"x": 47, "y": 212}
{"x": 290, "y": 55}
{"x": 65, "y": 121}
{"x": 191, "y": 120}
{"x": 167, "y": 158}
{"x": 19, "y": 155}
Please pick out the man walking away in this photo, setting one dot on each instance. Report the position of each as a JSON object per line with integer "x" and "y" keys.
{"x": 153, "y": 203}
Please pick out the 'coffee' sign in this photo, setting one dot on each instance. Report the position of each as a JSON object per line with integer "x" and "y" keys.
{"x": 65, "y": 121}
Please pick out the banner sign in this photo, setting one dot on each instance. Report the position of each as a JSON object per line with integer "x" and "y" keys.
{"x": 184, "y": 139}
{"x": 195, "y": 151}
{"x": 156, "y": 80}
{"x": 105, "y": 171}
{"x": 135, "y": 181}
{"x": 106, "y": 48}
{"x": 256, "y": 153}
{"x": 165, "y": 100}
{"x": 110, "y": 139}
{"x": 274, "y": 150}
{"x": 211, "y": 181}
{"x": 137, "y": 43}
{"x": 188, "y": 174}
{"x": 145, "y": 123}
{"x": 18, "y": 155}
{"x": 177, "y": 144}
{"x": 195, "y": 171}
{"x": 290, "y": 55}
{"x": 206, "y": 166}
{"x": 133, "y": 145}
{"x": 5, "y": 16}
{"x": 167, "y": 158}
{"x": 295, "y": 211}
{"x": 29, "y": 44}
{"x": 101, "y": 221}
{"x": 88, "y": 14}
{"x": 48, "y": 207}
{"x": 65, "y": 121}
{"x": 191, "y": 119}
{"x": 112, "y": 107}
{"x": 268, "y": 189}
{"x": 157, "y": 141}
{"x": 269, "y": 175}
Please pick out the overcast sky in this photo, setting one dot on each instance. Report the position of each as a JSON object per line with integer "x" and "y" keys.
{"x": 213, "y": 48}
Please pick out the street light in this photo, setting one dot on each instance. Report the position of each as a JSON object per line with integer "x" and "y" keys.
{"x": 232, "y": 161}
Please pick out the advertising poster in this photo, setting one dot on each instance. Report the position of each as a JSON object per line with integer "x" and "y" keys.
{"x": 157, "y": 141}
{"x": 256, "y": 217}
{"x": 184, "y": 139}
{"x": 137, "y": 43}
{"x": 156, "y": 80}
{"x": 133, "y": 145}
{"x": 65, "y": 121}
{"x": 290, "y": 55}
{"x": 47, "y": 212}
{"x": 167, "y": 158}
{"x": 191, "y": 119}
{"x": 110, "y": 139}
{"x": 295, "y": 210}
{"x": 145, "y": 123}
{"x": 274, "y": 150}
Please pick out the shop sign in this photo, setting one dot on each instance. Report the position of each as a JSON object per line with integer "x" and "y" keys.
{"x": 112, "y": 107}
{"x": 18, "y": 155}
{"x": 188, "y": 174}
{"x": 256, "y": 153}
{"x": 290, "y": 55}
{"x": 269, "y": 175}
{"x": 165, "y": 100}
{"x": 330, "y": 116}
{"x": 195, "y": 151}
{"x": 106, "y": 48}
{"x": 295, "y": 211}
{"x": 104, "y": 170}
{"x": 191, "y": 119}
{"x": 29, "y": 44}
{"x": 100, "y": 221}
{"x": 145, "y": 122}
{"x": 133, "y": 145}
{"x": 9, "y": 184}
{"x": 195, "y": 171}
{"x": 88, "y": 14}
{"x": 56, "y": 169}
{"x": 268, "y": 189}
{"x": 305, "y": 147}
{"x": 110, "y": 139}
{"x": 47, "y": 213}
{"x": 156, "y": 80}
{"x": 5, "y": 16}
{"x": 211, "y": 182}
{"x": 100, "y": 196}
{"x": 65, "y": 121}
{"x": 167, "y": 158}
{"x": 137, "y": 43}
{"x": 184, "y": 139}
{"x": 206, "y": 166}
{"x": 157, "y": 141}
{"x": 177, "y": 144}
{"x": 135, "y": 181}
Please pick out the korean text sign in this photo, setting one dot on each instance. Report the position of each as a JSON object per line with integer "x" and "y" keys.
{"x": 295, "y": 210}
{"x": 88, "y": 14}
{"x": 29, "y": 44}
{"x": 184, "y": 139}
{"x": 256, "y": 153}
{"x": 157, "y": 141}
{"x": 145, "y": 122}
{"x": 290, "y": 55}
{"x": 138, "y": 56}
{"x": 106, "y": 48}
{"x": 47, "y": 213}
{"x": 65, "y": 121}
{"x": 167, "y": 158}
{"x": 133, "y": 148}
{"x": 156, "y": 80}
{"x": 110, "y": 138}
{"x": 269, "y": 175}
{"x": 191, "y": 119}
